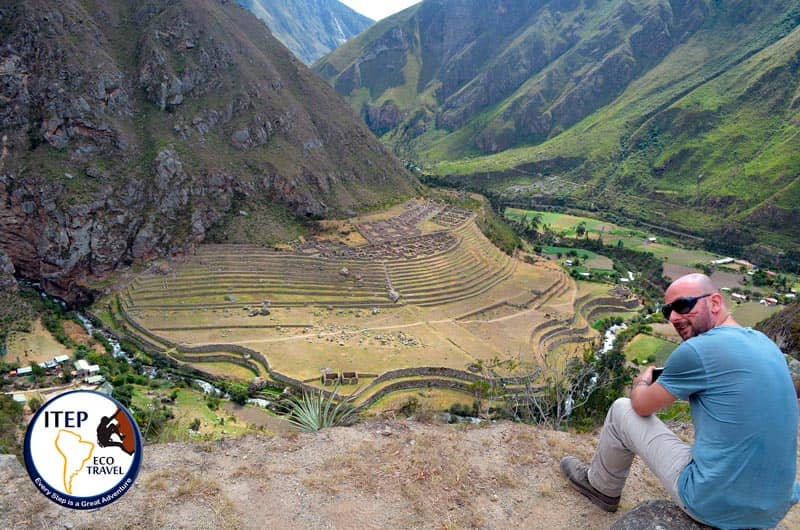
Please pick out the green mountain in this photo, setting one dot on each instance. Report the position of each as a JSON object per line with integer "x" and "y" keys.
{"x": 680, "y": 113}
{"x": 309, "y": 28}
{"x": 132, "y": 130}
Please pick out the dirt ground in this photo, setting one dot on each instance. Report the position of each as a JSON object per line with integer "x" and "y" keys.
{"x": 36, "y": 346}
{"x": 380, "y": 474}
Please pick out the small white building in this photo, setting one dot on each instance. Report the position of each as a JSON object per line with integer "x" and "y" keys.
{"x": 19, "y": 398}
{"x": 61, "y": 358}
{"x": 722, "y": 261}
{"x": 81, "y": 366}
{"x": 95, "y": 379}
{"x": 25, "y": 370}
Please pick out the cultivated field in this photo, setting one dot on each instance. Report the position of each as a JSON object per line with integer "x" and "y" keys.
{"x": 426, "y": 302}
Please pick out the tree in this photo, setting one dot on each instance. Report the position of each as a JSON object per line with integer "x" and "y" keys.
{"x": 238, "y": 392}
{"x": 123, "y": 394}
{"x": 579, "y": 394}
{"x": 34, "y": 403}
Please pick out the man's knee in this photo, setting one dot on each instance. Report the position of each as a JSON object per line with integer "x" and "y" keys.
{"x": 619, "y": 409}
{"x": 621, "y": 405}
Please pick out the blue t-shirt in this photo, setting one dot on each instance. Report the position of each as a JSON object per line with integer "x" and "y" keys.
{"x": 744, "y": 411}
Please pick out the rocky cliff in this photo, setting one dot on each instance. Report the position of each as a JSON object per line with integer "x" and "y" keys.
{"x": 130, "y": 130}
{"x": 549, "y": 62}
{"x": 310, "y": 28}
{"x": 784, "y": 328}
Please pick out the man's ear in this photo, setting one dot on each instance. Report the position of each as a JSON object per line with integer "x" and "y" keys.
{"x": 717, "y": 303}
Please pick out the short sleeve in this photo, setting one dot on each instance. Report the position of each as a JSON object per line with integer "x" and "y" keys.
{"x": 684, "y": 373}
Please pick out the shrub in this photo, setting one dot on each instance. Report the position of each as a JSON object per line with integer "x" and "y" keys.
{"x": 410, "y": 407}
{"x": 313, "y": 411}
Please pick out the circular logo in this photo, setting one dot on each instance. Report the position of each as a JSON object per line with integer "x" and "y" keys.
{"x": 83, "y": 450}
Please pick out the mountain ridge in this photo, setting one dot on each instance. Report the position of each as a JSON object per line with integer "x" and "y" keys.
{"x": 132, "y": 132}
{"x": 309, "y": 28}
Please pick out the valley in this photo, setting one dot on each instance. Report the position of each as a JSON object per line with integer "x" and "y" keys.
{"x": 246, "y": 219}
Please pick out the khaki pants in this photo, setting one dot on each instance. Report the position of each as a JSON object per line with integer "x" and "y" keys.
{"x": 625, "y": 434}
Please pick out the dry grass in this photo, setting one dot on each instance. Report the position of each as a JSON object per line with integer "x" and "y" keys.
{"x": 38, "y": 345}
{"x": 413, "y": 465}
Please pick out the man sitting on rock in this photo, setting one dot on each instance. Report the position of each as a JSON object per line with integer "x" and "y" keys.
{"x": 740, "y": 471}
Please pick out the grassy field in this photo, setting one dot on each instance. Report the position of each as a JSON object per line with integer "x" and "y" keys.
{"x": 643, "y": 347}
{"x": 565, "y": 225}
{"x": 751, "y": 313}
{"x": 189, "y": 405}
{"x": 227, "y": 371}
{"x": 427, "y": 401}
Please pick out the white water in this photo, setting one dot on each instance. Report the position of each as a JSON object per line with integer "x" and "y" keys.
{"x": 610, "y": 336}
{"x": 259, "y": 402}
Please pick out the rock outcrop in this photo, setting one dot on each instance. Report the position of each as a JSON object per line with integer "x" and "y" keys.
{"x": 130, "y": 131}
{"x": 7, "y": 281}
{"x": 657, "y": 515}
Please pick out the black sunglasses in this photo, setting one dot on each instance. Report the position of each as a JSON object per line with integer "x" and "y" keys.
{"x": 682, "y": 305}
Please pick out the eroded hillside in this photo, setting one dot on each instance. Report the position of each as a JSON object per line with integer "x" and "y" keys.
{"x": 135, "y": 130}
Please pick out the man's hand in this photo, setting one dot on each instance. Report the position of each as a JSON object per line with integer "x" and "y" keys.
{"x": 648, "y": 397}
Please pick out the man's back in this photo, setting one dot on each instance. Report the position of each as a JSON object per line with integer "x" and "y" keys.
{"x": 745, "y": 415}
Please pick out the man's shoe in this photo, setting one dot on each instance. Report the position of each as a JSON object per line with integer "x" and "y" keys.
{"x": 577, "y": 474}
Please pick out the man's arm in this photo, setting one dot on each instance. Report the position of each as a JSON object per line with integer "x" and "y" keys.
{"x": 648, "y": 397}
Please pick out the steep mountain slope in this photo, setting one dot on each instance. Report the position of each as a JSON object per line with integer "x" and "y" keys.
{"x": 310, "y": 28}
{"x": 131, "y": 130}
{"x": 681, "y": 112}
{"x": 784, "y": 328}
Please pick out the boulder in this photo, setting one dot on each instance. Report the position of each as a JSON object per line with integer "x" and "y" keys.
{"x": 657, "y": 515}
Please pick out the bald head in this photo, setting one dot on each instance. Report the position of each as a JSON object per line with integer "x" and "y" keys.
{"x": 692, "y": 285}
{"x": 707, "y": 309}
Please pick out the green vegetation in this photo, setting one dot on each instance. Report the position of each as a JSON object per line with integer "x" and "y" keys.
{"x": 314, "y": 411}
{"x": 17, "y": 312}
{"x": 701, "y": 138}
{"x": 498, "y": 232}
{"x": 578, "y": 395}
{"x": 11, "y": 426}
{"x": 647, "y": 349}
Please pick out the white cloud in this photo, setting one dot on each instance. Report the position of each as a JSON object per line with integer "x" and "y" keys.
{"x": 378, "y": 9}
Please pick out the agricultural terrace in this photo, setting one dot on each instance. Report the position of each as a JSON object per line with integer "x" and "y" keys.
{"x": 419, "y": 298}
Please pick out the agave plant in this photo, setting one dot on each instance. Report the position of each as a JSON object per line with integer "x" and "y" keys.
{"x": 314, "y": 411}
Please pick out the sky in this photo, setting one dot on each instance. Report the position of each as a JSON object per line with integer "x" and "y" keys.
{"x": 378, "y": 9}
